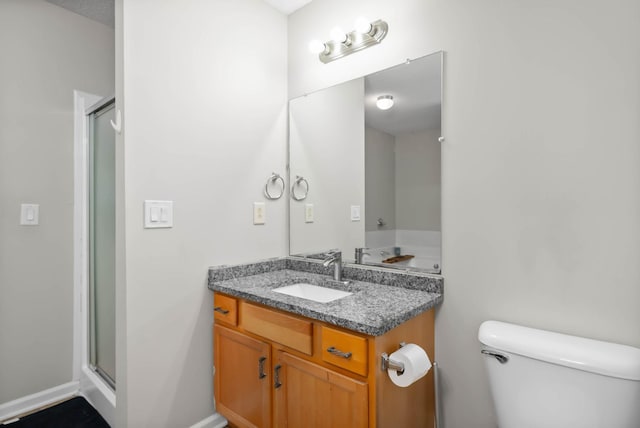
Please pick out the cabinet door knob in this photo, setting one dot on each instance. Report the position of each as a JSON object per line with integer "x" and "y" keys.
{"x": 222, "y": 311}
{"x": 276, "y": 371}
{"x": 338, "y": 353}
{"x": 261, "y": 373}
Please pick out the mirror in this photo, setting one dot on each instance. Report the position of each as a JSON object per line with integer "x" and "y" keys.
{"x": 361, "y": 176}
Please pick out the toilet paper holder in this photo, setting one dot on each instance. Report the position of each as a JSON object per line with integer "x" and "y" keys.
{"x": 388, "y": 363}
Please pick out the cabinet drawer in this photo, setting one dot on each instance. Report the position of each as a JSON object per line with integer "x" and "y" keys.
{"x": 225, "y": 309}
{"x": 344, "y": 350}
{"x": 284, "y": 329}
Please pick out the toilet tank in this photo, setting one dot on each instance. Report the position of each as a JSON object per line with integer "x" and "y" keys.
{"x": 542, "y": 379}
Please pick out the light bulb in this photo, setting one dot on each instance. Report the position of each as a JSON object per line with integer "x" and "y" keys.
{"x": 384, "y": 102}
{"x": 362, "y": 25}
{"x": 316, "y": 46}
{"x": 337, "y": 35}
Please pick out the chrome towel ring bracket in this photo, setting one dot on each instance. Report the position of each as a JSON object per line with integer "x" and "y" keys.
{"x": 273, "y": 181}
{"x": 300, "y": 182}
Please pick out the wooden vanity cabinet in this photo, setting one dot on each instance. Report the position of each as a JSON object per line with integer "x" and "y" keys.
{"x": 276, "y": 369}
{"x": 310, "y": 395}
{"x": 243, "y": 378}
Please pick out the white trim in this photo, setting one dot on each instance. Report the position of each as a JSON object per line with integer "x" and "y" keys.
{"x": 214, "y": 421}
{"x": 80, "y": 262}
{"x": 39, "y": 399}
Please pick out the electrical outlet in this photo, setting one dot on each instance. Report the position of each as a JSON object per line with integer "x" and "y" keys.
{"x": 355, "y": 212}
{"x": 308, "y": 213}
{"x": 258, "y": 213}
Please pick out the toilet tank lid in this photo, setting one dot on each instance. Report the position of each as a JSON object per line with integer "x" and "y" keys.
{"x": 605, "y": 358}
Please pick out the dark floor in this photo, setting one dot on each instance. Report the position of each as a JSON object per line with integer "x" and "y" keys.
{"x": 73, "y": 413}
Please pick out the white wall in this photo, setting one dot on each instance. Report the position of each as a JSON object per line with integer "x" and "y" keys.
{"x": 204, "y": 108}
{"x": 327, "y": 149}
{"x": 380, "y": 179}
{"x": 47, "y": 52}
{"x": 418, "y": 180}
{"x": 122, "y": 395}
{"x": 540, "y": 185}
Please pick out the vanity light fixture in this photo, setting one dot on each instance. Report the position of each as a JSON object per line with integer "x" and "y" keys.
{"x": 384, "y": 102}
{"x": 342, "y": 44}
{"x": 339, "y": 36}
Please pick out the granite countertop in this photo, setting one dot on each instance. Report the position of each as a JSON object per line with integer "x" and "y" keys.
{"x": 381, "y": 299}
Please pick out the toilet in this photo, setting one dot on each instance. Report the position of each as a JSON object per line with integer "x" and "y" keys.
{"x": 542, "y": 379}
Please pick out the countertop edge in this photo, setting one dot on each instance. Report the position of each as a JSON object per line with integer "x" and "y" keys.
{"x": 337, "y": 321}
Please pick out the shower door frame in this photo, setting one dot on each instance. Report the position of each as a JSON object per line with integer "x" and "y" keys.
{"x": 90, "y": 385}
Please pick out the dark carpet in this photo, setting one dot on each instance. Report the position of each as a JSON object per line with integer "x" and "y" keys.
{"x": 73, "y": 413}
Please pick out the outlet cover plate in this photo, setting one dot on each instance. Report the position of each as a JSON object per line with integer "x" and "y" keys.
{"x": 308, "y": 213}
{"x": 259, "y": 214}
{"x": 355, "y": 212}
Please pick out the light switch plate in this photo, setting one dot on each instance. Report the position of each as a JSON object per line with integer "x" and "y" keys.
{"x": 355, "y": 212}
{"x": 259, "y": 214}
{"x": 308, "y": 213}
{"x": 29, "y": 214}
{"x": 158, "y": 214}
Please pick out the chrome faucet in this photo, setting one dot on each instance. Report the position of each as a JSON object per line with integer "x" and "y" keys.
{"x": 334, "y": 257}
{"x": 360, "y": 254}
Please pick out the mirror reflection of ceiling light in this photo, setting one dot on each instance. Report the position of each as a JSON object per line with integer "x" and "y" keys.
{"x": 342, "y": 44}
{"x": 384, "y": 102}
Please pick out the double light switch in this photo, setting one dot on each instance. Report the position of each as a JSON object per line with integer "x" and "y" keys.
{"x": 158, "y": 214}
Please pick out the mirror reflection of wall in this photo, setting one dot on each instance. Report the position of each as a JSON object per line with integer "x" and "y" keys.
{"x": 402, "y": 165}
{"x": 387, "y": 162}
{"x": 326, "y": 147}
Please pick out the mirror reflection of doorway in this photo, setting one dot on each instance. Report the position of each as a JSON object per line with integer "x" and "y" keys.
{"x": 101, "y": 246}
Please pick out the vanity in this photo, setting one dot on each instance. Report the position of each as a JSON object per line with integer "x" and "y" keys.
{"x": 294, "y": 346}
{"x": 282, "y": 360}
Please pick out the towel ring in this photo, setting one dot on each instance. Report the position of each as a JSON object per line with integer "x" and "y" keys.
{"x": 298, "y": 183}
{"x": 272, "y": 180}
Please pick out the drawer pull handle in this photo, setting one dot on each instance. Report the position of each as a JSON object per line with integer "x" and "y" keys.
{"x": 261, "y": 373}
{"x": 339, "y": 353}
{"x": 222, "y": 311}
{"x": 276, "y": 371}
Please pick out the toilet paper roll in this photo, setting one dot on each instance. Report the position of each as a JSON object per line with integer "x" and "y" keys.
{"x": 416, "y": 365}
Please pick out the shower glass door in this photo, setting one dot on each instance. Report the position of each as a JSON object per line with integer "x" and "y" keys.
{"x": 102, "y": 233}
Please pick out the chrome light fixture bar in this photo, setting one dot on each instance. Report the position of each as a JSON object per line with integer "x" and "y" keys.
{"x": 354, "y": 41}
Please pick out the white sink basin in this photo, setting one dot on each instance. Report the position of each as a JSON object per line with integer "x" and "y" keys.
{"x": 312, "y": 292}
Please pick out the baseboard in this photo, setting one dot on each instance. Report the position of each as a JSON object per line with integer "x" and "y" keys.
{"x": 214, "y": 421}
{"x": 31, "y": 402}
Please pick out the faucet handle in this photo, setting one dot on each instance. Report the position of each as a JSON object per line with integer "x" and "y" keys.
{"x": 333, "y": 252}
{"x": 333, "y": 257}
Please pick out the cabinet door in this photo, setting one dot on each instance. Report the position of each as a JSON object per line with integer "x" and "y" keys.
{"x": 242, "y": 378}
{"x": 311, "y": 396}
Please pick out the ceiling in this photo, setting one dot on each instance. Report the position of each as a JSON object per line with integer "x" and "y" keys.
{"x": 103, "y": 11}
{"x": 288, "y": 6}
{"x": 416, "y": 91}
